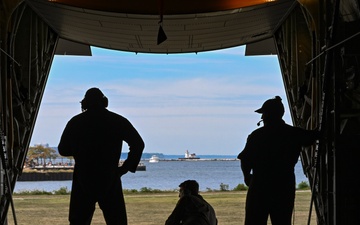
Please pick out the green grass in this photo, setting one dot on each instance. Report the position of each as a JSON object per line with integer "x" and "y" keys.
{"x": 144, "y": 208}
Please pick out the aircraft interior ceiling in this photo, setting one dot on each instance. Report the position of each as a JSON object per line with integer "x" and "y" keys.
{"x": 185, "y": 32}
{"x": 316, "y": 42}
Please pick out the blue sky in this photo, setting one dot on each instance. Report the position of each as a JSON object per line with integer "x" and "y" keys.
{"x": 201, "y": 102}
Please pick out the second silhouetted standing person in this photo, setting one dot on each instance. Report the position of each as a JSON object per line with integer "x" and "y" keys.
{"x": 268, "y": 162}
{"x": 94, "y": 138}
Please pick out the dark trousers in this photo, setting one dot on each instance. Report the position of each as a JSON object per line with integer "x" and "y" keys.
{"x": 110, "y": 200}
{"x": 262, "y": 202}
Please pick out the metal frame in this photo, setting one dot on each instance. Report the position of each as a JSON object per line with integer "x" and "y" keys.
{"x": 27, "y": 53}
{"x": 314, "y": 60}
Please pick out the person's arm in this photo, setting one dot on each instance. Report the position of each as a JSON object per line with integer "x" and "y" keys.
{"x": 245, "y": 159}
{"x": 136, "y": 147}
{"x": 308, "y": 137}
{"x": 246, "y": 168}
{"x": 177, "y": 214}
{"x": 66, "y": 145}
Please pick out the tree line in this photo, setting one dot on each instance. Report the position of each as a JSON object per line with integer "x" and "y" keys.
{"x": 42, "y": 155}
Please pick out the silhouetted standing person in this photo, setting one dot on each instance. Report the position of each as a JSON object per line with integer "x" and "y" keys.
{"x": 268, "y": 162}
{"x": 191, "y": 209}
{"x": 94, "y": 138}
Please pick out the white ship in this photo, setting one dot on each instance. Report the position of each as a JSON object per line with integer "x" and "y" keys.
{"x": 154, "y": 159}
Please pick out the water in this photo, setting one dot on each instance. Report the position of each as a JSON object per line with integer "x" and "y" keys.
{"x": 167, "y": 175}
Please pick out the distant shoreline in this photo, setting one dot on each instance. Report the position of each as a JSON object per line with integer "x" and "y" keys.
{"x": 194, "y": 160}
{"x": 170, "y": 157}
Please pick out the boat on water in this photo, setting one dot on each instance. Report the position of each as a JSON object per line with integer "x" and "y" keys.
{"x": 154, "y": 159}
{"x": 141, "y": 167}
{"x": 189, "y": 156}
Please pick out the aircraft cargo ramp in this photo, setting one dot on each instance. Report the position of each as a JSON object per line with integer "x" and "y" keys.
{"x": 316, "y": 42}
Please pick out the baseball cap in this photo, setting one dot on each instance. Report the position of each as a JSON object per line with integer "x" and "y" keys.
{"x": 272, "y": 106}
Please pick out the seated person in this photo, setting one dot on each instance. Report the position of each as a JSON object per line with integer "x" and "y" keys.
{"x": 191, "y": 209}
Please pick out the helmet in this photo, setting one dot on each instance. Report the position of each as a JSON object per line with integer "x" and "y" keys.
{"x": 272, "y": 107}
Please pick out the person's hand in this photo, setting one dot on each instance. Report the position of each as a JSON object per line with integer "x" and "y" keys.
{"x": 121, "y": 171}
{"x": 248, "y": 179}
